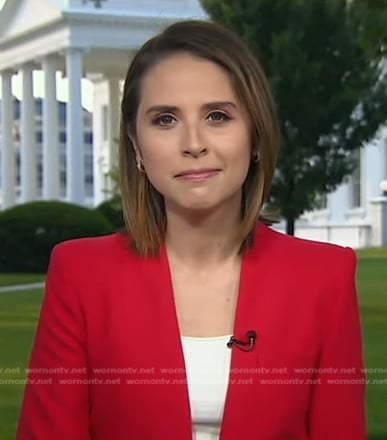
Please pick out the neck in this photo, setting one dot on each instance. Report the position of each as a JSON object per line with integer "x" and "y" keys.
{"x": 198, "y": 239}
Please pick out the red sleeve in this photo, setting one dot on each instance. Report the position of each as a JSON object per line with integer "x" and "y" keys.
{"x": 337, "y": 409}
{"x": 55, "y": 404}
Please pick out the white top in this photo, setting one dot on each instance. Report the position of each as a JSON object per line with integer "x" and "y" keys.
{"x": 207, "y": 362}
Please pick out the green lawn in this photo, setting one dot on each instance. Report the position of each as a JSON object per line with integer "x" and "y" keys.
{"x": 10, "y": 279}
{"x": 19, "y": 311}
{"x": 18, "y": 316}
{"x": 372, "y": 285}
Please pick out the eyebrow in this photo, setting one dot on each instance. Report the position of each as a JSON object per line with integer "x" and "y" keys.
{"x": 175, "y": 109}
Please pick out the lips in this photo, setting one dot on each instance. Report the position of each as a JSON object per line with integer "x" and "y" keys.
{"x": 207, "y": 172}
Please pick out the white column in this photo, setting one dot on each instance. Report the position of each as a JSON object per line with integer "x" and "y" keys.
{"x": 379, "y": 221}
{"x": 27, "y": 137}
{"x": 8, "y": 182}
{"x": 339, "y": 203}
{"x": 98, "y": 139}
{"x": 374, "y": 167}
{"x": 75, "y": 147}
{"x": 113, "y": 119}
{"x": 384, "y": 156}
{"x": 50, "y": 131}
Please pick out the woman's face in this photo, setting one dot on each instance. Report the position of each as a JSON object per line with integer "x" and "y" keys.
{"x": 192, "y": 134}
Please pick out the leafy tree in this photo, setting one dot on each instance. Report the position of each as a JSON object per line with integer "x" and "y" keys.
{"x": 114, "y": 183}
{"x": 97, "y": 3}
{"x": 112, "y": 211}
{"x": 111, "y": 208}
{"x": 324, "y": 60}
{"x": 28, "y": 232}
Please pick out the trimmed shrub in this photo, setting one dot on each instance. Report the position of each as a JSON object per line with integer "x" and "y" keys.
{"x": 28, "y": 232}
{"x": 112, "y": 210}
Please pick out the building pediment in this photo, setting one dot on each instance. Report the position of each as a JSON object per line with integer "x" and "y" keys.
{"x": 19, "y": 17}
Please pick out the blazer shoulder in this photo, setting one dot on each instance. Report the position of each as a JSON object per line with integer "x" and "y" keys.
{"x": 92, "y": 251}
{"x": 298, "y": 249}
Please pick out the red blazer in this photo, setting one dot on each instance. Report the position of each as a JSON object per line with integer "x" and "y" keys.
{"x": 108, "y": 362}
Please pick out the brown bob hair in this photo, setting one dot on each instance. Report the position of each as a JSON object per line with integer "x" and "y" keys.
{"x": 143, "y": 206}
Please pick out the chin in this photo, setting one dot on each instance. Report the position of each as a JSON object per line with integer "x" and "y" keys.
{"x": 192, "y": 208}
{"x": 202, "y": 207}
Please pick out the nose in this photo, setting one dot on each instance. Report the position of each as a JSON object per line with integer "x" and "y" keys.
{"x": 192, "y": 141}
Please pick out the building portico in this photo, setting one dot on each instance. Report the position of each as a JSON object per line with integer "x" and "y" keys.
{"x": 80, "y": 39}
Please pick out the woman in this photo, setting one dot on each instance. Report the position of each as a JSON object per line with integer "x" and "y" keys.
{"x": 200, "y": 322}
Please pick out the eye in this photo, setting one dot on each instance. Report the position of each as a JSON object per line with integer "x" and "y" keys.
{"x": 218, "y": 116}
{"x": 164, "y": 120}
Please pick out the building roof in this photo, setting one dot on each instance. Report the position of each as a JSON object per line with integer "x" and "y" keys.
{"x": 32, "y": 29}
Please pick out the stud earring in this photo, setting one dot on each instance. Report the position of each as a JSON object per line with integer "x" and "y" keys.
{"x": 140, "y": 166}
{"x": 255, "y": 157}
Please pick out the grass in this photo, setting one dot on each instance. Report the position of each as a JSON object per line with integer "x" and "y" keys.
{"x": 19, "y": 312}
{"x": 11, "y": 279}
{"x": 372, "y": 285}
{"x": 372, "y": 253}
{"x": 18, "y": 317}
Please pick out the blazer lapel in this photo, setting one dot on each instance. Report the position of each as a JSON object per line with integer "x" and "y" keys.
{"x": 238, "y": 410}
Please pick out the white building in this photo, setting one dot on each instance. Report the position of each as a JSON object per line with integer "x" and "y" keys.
{"x": 36, "y": 144}
{"x": 356, "y": 213}
{"x": 96, "y": 40}
{"x": 80, "y": 40}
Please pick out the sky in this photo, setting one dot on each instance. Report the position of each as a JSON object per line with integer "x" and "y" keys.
{"x": 62, "y": 86}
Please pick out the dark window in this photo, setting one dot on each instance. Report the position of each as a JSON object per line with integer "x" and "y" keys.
{"x": 88, "y": 138}
{"x": 62, "y": 137}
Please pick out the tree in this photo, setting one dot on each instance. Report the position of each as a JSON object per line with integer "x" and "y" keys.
{"x": 97, "y": 3}
{"x": 28, "y": 232}
{"x": 324, "y": 61}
